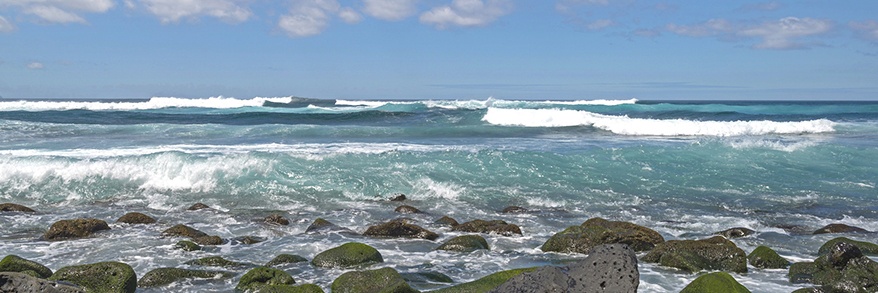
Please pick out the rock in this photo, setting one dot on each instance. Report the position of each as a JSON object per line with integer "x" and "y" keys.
{"x": 736, "y": 232}
{"x": 842, "y": 269}
{"x": 717, "y": 282}
{"x": 400, "y": 228}
{"x": 14, "y": 263}
{"x": 839, "y": 228}
{"x": 514, "y": 210}
{"x": 209, "y": 240}
{"x": 715, "y": 253}
{"x": 76, "y": 228}
{"x": 486, "y": 283}
{"x": 764, "y": 257}
{"x": 11, "y": 207}
{"x": 867, "y": 248}
{"x": 136, "y": 218}
{"x": 348, "y": 255}
{"x": 446, "y": 220}
{"x": 99, "y": 277}
{"x": 305, "y": 288}
{"x": 24, "y": 283}
{"x": 285, "y": 259}
{"x": 543, "y": 279}
{"x": 487, "y": 227}
{"x": 407, "y": 209}
{"x": 597, "y": 231}
{"x": 321, "y": 226}
{"x": 187, "y": 245}
{"x": 842, "y": 252}
{"x": 276, "y": 219}
{"x": 197, "y": 206}
{"x": 247, "y": 240}
{"x": 426, "y": 277}
{"x": 385, "y": 280}
{"x": 465, "y": 243}
{"x": 164, "y": 276}
{"x": 398, "y": 197}
{"x": 216, "y": 261}
{"x": 259, "y": 277}
{"x": 183, "y": 230}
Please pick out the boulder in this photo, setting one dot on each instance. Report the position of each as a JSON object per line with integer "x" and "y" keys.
{"x": 73, "y": 229}
{"x": 385, "y": 280}
{"x": 184, "y": 231}
{"x": 322, "y": 226}
{"x": 304, "y": 288}
{"x": 216, "y": 261}
{"x": 514, "y": 210}
{"x": 543, "y": 279}
{"x": 446, "y": 220}
{"x": 400, "y": 228}
{"x": 843, "y": 268}
{"x": 24, "y": 283}
{"x": 14, "y": 263}
{"x": 407, "y": 209}
{"x": 716, "y": 282}
{"x": 715, "y": 253}
{"x": 465, "y": 243}
{"x": 764, "y": 257}
{"x": 348, "y": 255}
{"x": 247, "y": 240}
{"x": 209, "y": 240}
{"x": 488, "y": 227}
{"x": 136, "y": 218}
{"x": 426, "y": 277}
{"x": 99, "y": 277}
{"x": 164, "y": 276}
{"x": 598, "y": 231}
{"x": 737, "y": 232}
{"x": 839, "y": 228}
{"x": 197, "y": 206}
{"x": 259, "y": 277}
{"x": 398, "y": 197}
{"x": 867, "y": 248}
{"x": 285, "y": 259}
{"x": 186, "y": 245}
{"x": 11, "y": 207}
{"x": 486, "y": 283}
{"x": 275, "y": 219}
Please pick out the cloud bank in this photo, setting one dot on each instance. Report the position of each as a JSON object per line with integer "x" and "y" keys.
{"x": 58, "y": 11}
{"x": 466, "y": 13}
{"x": 783, "y": 34}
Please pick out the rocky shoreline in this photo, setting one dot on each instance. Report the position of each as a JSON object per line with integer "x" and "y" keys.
{"x": 610, "y": 262}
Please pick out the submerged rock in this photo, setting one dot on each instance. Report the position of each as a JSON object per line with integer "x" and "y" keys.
{"x": 426, "y": 277}
{"x": 465, "y": 243}
{"x": 514, "y": 210}
{"x": 209, "y": 240}
{"x": 400, "y": 228}
{"x": 247, "y": 240}
{"x": 20, "y": 282}
{"x": 14, "y": 263}
{"x": 380, "y": 280}
{"x": 347, "y": 255}
{"x": 407, "y": 209}
{"x": 717, "y": 282}
{"x": 99, "y": 277}
{"x": 486, "y": 283}
{"x": 764, "y": 257}
{"x": 197, "y": 206}
{"x": 259, "y": 277}
{"x": 321, "y": 226}
{"x": 136, "y": 218}
{"x": 216, "y": 261}
{"x": 276, "y": 219}
{"x": 187, "y": 245}
{"x": 164, "y": 276}
{"x": 715, "y": 253}
{"x": 398, "y": 197}
{"x": 736, "y": 232}
{"x": 598, "y": 231}
{"x": 76, "y": 228}
{"x": 839, "y": 228}
{"x": 183, "y": 230}
{"x": 488, "y": 227}
{"x": 446, "y": 220}
{"x": 867, "y": 248}
{"x": 285, "y": 259}
{"x": 843, "y": 268}
{"x": 11, "y": 207}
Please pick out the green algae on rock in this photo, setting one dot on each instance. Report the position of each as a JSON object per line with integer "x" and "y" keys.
{"x": 486, "y": 283}
{"x": 256, "y": 278}
{"x": 102, "y": 277}
{"x": 14, "y": 263}
{"x": 764, "y": 257}
{"x": 164, "y": 276}
{"x": 598, "y": 231}
{"x": 715, "y": 253}
{"x": 716, "y": 282}
{"x": 384, "y": 280}
{"x": 465, "y": 243}
{"x": 347, "y": 255}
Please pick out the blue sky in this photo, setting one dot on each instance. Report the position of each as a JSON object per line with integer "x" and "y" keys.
{"x": 440, "y": 49}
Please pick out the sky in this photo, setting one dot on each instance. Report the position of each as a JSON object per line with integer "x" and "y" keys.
{"x": 440, "y": 49}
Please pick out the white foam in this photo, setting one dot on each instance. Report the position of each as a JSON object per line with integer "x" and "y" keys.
{"x": 652, "y": 127}
{"x": 785, "y": 146}
{"x": 484, "y": 104}
{"x": 153, "y": 103}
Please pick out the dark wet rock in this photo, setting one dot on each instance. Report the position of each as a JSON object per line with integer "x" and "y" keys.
{"x": 400, "y": 228}
{"x": 465, "y": 243}
{"x": 486, "y": 283}
{"x": 764, "y": 257}
{"x": 276, "y": 219}
{"x": 488, "y": 227}
{"x": 514, "y": 210}
{"x": 348, "y": 255}
{"x": 843, "y": 268}
{"x": 598, "y": 231}
{"x": 184, "y": 231}
{"x": 24, "y": 283}
{"x": 407, "y": 209}
{"x": 867, "y": 248}
{"x": 839, "y": 228}
{"x": 209, "y": 240}
{"x": 259, "y": 277}
{"x": 839, "y": 254}
{"x": 14, "y": 263}
{"x": 216, "y": 261}
{"x": 285, "y": 259}
{"x": 186, "y": 245}
{"x": 197, "y": 206}
{"x": 248, "y": 240}
{"x": 737, "y": 232}
{"x": 717, "y": 282}
{"x": 715, "y": 253}
{"x": 11, "y": 207}
{"x": 794, "y": 229}
{"x": 426, "y": 277}
{"x": 446, "y": 220}
{"x": 136, "y": 218}
{"x": 304, "y": 288}
{"x": 99, "y": 277}
{"x": 381, "y": 280}
{"x": 398, "y": 197}
{"x": 73, "y": 229}
{"x": 164, "y": 276}
{"x": 321, "y": 226}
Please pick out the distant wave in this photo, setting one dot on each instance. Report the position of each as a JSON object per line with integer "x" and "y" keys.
{"x": 484, "y": 104}
{"x": 650, "y": 127}
{"x": 153, "y": 103}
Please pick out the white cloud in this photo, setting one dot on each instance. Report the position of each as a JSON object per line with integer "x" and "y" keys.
{"x": 171, "y": 11}
{"x": 59, "y": 11}
{"x": 54, "y": 14}
{"x": 35, "y": 65}
{"x": 392, "y": 10}
{"x": 783, "y": 34}
{"x": 5, "y": 25}
{"x": 867, "y": 29}
{"x": 467, "y": 13}
{"x": 599, "y": 24}
{"x": 349, "y": 15}
{"x": 309, "y": 17}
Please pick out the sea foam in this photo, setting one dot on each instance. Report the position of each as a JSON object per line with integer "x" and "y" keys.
{"x": 153, "y": 103}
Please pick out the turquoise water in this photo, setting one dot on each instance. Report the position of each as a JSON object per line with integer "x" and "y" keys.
{"x": 685, "y": 169}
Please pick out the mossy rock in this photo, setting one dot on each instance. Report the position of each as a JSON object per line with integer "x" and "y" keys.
{"x": 448, "y": 221}
{"x": 867, "y": 248}
{"x": 488, "y": 227}
{"x": 14, "y": 282}
{"x": 764, "y": 257}
{"x": 73, "y": 229}
{"x": 347, "y": 255}
{"x": 305, "y": 288}
{"x": 718, "y": 282}
{"x": 465, "y": 243}
{"x": 715, "y": 253}
{"x": 164, "y": 276}
{"x": 11, "y": 207}
{"x": 216, "y": 261}
{"x": 14, "y": 263}
{"x": 209, "y": 240}
{"x": 136, "y": 218}
{"x": 321, "y": 225}
{"x": 385, "y": 280}
{"x": 427, "y": 277}
{"x": 400, "y": 228}
{"x": 737, "y": 232}
{"x": 276, "y": 219}
{"x": 99, "y": 277}
{"x": 839, "y": 228}
{"x": 842, "y": 269}
{"x": 259, "y": 277}
{"x": 598, "y": 231}
{"x": 285, "y": 259}
{"x": 187, "y": 245}
{"x": 407, "y": 209}
{"x": 184, "y": 231}
{"x": 484, "y": 284}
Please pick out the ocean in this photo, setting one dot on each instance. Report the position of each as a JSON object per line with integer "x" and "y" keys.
{"x": 686, "y": 169}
